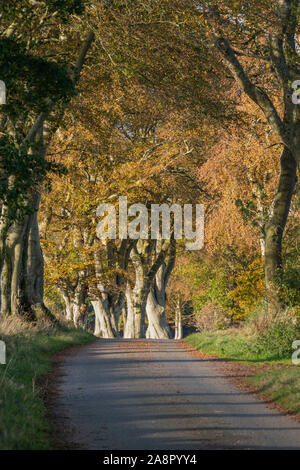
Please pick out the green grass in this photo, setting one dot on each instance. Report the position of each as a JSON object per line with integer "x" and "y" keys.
{"x": 277, "y": 379}
{"x": 23, "y": 422}
{"x": 281, "y": 386}
{"x": 229, "y": 344}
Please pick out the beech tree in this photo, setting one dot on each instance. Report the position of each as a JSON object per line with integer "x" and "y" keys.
{"x": 151, "y": 273}
{"x": 131, "y": 138}
{"x": 258, "y": 44}
{"x": 108, "y": 295}
{"x": 158, "y": 327}
{"x": 241, "y": 172}
{"x": 37, "y": 89}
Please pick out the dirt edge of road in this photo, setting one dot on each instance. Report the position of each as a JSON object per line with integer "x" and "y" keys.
{"x": 61, "y": 431}
{"x": 237, "y": 373}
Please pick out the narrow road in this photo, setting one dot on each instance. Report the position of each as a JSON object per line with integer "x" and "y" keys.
{"x": 153, "y": 395}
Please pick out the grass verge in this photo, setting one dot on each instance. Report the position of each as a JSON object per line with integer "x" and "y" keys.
{"x": 23, "y": 421}
{"x": 276, "y": 379}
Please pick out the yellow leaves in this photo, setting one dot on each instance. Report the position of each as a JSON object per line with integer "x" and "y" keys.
{"x": 249, "y": 289}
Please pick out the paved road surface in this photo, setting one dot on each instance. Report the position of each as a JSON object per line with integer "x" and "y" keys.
{"x": 153, "y": 395}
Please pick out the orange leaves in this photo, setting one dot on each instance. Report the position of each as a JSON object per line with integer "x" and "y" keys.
{"x": 239, "y": 167}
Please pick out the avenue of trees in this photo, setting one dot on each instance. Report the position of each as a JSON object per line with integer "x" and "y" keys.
{"x": 164, "y": 102}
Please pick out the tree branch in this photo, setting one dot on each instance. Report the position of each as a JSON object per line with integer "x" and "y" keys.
{"x": 75, "y": 76}
{"x": 254, "y": 92}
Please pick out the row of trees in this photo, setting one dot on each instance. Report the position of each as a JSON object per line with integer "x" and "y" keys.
{"x": 39, "y": 83}
{"x": 134, "y": 149}
{"x": 132, "y": 136}
{"x": 149, "y": 112}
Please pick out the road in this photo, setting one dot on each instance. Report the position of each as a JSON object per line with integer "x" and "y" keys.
{"x": 154, "y": 395}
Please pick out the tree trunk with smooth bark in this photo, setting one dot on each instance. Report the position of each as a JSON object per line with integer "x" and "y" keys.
{"x": 158, "y": 327}
{"x": 178, "y": 321}
{"x": 22, "y": 264}
{"x": 136, "y": 311}
{"x": 284, "y": 120}
{"x": 104, "y": 323}
{"x": 67, "y": 296}
{"x": 275, "y": 226}
{"x": 22, "y": 276}
{"x": 147, "y": 257}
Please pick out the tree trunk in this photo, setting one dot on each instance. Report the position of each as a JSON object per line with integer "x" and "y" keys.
{"x": 116, "y": 307}
{"x": 136, "y": 312}
{"x": 12, "y": 274}
{"x": 275, "y": 226}
{"x": 97, "y": 329}
{"x": 136, "y": 300}
{"x": 103, "y": 321}
{"x": 178, "y": 321}
{"x": 158, "y": 327}
{"x": 74, "y": 296}
{"x": 147, "y": 258}
{"x": 21, "y": 273}
{"x": 23, "y": 268}
{"x": 68, "y": 303}
{"x": 79, "y": 301}
{"x": 124, "y": 315}
{"x": 107, "y": 308}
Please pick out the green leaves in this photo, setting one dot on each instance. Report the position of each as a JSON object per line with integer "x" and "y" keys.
{"x": 30, "y": 80}
{"x": 35, "y": 76}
